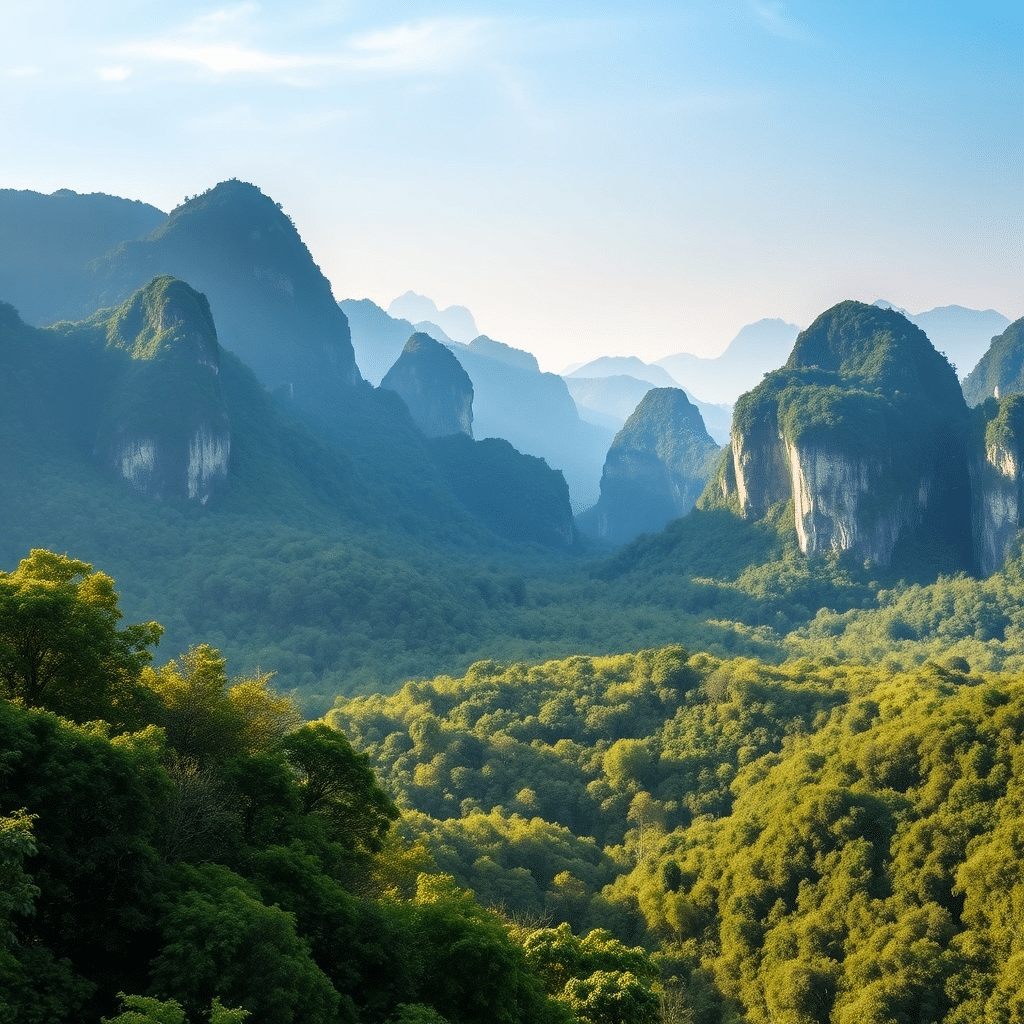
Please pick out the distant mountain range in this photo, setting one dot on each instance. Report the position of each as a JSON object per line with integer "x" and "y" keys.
{"x": 512, "y": 399}
{"x": 607, "y": 390}
{"x": 962, "y": 335}
{"x": 756, "y": 350}
{"x": 272, "y": 308}
{"x": 456, "y": 321}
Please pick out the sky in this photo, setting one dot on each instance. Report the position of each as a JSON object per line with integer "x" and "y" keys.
{"x": 609, "y": 178}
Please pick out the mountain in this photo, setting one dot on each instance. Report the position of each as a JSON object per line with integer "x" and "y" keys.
{"x": 865, "y": 429}
{"x": 534, "y": 411}
{"x": 48, "y": 241}
{"x": 272, "y": 305}
{"x": 434, "y": 386}
{"x": 456, "y": 321}
{"x": 343, "y": 557}
{"x": 656, "y": 468}
{"x": 502, "y": 353}
{"x": 609, "y": 402}
{"x": 164, "y": 425}
{"x": 1000, "y": 371}
{"x": 631, "y": 366}
{"x": 512, "y": 399}
{"x": 756, "y": 349}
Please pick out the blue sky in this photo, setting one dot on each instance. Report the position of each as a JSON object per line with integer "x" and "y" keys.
{"x": 603, "y": 179}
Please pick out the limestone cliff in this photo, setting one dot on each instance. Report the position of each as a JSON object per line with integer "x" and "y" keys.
{"x": 165, "y": 425}
{"x": 866, "y": 431}
{"x": 434, "y": 386}
{"x": 655, "y": 470}
{"x": 997, "y": 482}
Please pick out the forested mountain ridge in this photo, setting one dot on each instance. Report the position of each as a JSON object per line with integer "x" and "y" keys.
{"x": 1000, "y": 371}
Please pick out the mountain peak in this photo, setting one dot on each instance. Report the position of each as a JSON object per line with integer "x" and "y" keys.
{"x": 434, "y": 386}
{"x": 273, "y": 306}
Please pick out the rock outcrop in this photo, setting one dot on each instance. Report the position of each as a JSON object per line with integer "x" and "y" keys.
{"x": 434, "y": 386}
{"x": 866, "y": 430}
{"x": 997, "y": 483}
{"x": 655, "y": 470}
{"x": 165, "y": 426}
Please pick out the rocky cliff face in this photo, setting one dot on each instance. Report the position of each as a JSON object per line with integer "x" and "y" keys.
{"x": 165, "y": 425}
{"x": 832, "y": 494}
{"x": 997, "y": 482}
{"x": 656, "y": 468}
{"x": 434, "y": 386}
{"x": 866, "y": 430}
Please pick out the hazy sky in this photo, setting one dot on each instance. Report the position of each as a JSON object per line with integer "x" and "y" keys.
{"x": 606, "y": 178}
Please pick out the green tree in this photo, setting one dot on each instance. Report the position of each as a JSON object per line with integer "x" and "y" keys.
{"x": 612, "y": 997}
{"x": 60, "y": 645}
{"x": 146, "y": 1010}
{"x": 338, "y": 784}
{"x": 220, "y": 940}
{"x": 17, "y": 893}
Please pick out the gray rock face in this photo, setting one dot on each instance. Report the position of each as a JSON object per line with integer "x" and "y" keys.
{"x": 166, "y": 428}
{"x": 830, "y": 495}
{"x": 434, "y": 386}
{"x": 996, "y": 485}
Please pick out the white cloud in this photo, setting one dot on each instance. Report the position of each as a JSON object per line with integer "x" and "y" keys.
{"x": 771, "y": 15}
{"x": 218, "y": 43}
{"x": 436, "y": 45}
{"x": 219, "y": 58}
{"x": 118, "y": 74}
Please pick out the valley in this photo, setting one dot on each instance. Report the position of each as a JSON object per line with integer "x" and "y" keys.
{"x": 433, "y": 652}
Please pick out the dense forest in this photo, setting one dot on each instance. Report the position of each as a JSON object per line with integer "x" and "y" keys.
{"x": 664, "y": 835}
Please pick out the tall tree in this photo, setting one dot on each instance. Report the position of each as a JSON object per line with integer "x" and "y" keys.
{"x": 60, "y": 645}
